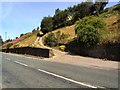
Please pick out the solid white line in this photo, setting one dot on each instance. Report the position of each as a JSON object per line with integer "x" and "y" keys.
{"x": 21, "y": 63}
{"x": 62, "y": 77}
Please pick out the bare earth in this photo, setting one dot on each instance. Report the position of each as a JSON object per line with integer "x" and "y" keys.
{"x": 85, "y": 61}
{"x": 63, "y": 57}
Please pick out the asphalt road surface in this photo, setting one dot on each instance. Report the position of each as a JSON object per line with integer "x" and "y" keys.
{"x": 23, "y": 72}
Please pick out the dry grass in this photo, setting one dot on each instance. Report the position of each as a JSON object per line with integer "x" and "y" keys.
{"x": 27, "y": 42}
{"x": 66, "y": 30}
{"x": 111, "y": 34}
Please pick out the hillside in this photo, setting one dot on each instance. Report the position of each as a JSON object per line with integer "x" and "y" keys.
{"x": 23, "y": 41}
{"x": 111, "y": 34}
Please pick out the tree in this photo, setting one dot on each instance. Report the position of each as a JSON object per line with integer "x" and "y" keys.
{"x": 37, "y": 28}
{"x": 7, "y": 41}
{"x": 33, "y": 30}
{"x": 87, "y": 30}
{"x": 59, "y": 19}
{"x": 21, "y": 35}
{"x": 83, "y": 9}
{"x": 16, "y": 38}
{"x": 1, "y": 40}
{"x": 99, "y": 6}
{"x": 47, "y": 24}
{"x": 57, "y": 11}
{"x": 54, "y": 39}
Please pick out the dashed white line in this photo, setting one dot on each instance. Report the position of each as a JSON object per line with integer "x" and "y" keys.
{"x": 62, "y": 77}
{"x": 21, "y": 63}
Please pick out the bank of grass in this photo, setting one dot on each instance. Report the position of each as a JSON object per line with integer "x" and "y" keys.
{"x": 109, "y": 34}
{"x": 29, "y": 41}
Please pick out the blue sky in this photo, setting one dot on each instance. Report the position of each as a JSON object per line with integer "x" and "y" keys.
{"x": 22, "y": 17}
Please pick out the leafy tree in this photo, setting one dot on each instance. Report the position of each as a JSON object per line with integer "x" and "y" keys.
{"x": 57, "y": 11}
{"x": 21, "y": 35}
{"x": 59, "y": 19}
{"x": 47, "y": 24}
{"x": 1, "y": 40}
{"x": 54, "y": 39}
{"x": 9, "y": 45}
{"x": 33, "y": 30}
{"x": 87, "y": 30}
{"x": 50, "y": 40}
{"x": 37, "y": 28}
{"x": 7, "y": 40}
{"x": 83, "y": 9}
{"x": 99, "y": 6}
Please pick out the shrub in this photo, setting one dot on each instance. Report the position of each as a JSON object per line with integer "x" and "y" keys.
{"x": 50, "y": 40}
{"x": 88, "y": 36}
{"x": 62, "y": 47}
{"x": 54, "y": 39}
{"x": 87, "y": 30}
{"x": 21, "y": 35}
{"x": 9, "y": 45}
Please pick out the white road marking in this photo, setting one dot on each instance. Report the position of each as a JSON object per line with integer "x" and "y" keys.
{"x": 62, "y": 77}
{"x": 21, "y": 63}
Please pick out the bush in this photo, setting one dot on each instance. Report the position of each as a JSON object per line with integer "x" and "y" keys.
{"x": 50, "y": 40}
{"x": 87, "y": 30}
{"x": 54, "y": 39}
{"x": 62, "y": 47}
{"x": 21, "y": 35}
{"x": 9, "y": 45}
{"x": 88, "y": 36}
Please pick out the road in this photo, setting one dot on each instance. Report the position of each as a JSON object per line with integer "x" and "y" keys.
{"x": 22, "y": 72}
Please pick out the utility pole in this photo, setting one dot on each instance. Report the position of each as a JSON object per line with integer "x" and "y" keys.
{"x": 5, "y": 36}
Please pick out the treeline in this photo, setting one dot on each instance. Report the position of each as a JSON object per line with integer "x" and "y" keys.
{"x": 70, "y": 15}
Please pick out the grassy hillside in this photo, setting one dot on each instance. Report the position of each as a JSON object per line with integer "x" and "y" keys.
{"x": 25, "y": 40}
{"x": 66, "y": 30}
{"x": 29, "y": 41}
{"x": 110, "y": 34}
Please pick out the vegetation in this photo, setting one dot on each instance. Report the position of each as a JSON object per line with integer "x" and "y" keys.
{"x": 87, "y": 30}
{"x": 70, "y": 15}
{"x": 1, "y": 41}
{"x": 9, "y": 45}
{"x": 92, "y": 26}
{"x": 98, "y": 7}
{"x": 21, "y": 35}
{"x": 55, "y": 39}
{"x": 62, "y": 47}
{"x": 47, "y": 24}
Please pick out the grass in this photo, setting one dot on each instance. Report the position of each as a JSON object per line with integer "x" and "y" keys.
{"x": 69, "y": 30}
{"x": 29, "y": 41}
{"x": 109, "y": 34}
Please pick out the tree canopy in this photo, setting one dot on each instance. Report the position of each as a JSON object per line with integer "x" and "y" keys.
{"x": 70, "y": 15}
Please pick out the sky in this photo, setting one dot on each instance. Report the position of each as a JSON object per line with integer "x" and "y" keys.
{"x": 22, "y": 17}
